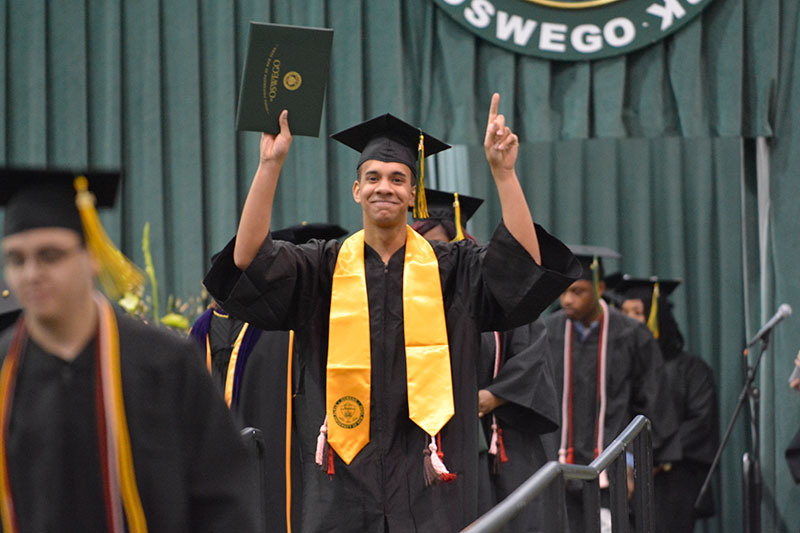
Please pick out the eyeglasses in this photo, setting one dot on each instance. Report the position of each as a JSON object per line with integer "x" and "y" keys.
{"x": 43, "y": 257}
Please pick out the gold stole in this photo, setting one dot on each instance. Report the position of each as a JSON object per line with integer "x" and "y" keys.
{"x": 428, "y": 376}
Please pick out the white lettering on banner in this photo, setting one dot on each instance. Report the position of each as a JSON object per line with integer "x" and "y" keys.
{"x": 620, "y": 23}
{"x": 586, "y": 38}
{"x": 479, "y": 14}
{"x": 506, "y": 26}
{"x": 593, "y": 35}
{"x": 671, "y": 10}
{"x": 552, "y": 36}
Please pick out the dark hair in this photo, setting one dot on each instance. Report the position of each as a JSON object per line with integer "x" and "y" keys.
{"x": 423, "y": 226}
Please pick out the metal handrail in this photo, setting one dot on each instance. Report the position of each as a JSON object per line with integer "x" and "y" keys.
{"x": 543, "y": 479}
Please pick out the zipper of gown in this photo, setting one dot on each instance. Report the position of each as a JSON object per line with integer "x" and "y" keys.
{"x": 384, "y": 386}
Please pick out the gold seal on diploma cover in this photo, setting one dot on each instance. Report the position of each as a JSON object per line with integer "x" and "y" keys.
{"x": 348, "y": 412}
{"x": 292, "y": 80}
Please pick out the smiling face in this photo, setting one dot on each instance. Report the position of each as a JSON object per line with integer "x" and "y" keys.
{"x": 48, "y": 270}
{"x": 385, "y": 192}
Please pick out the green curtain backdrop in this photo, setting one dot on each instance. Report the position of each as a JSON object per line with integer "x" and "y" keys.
{"x": 640, "y": 152}
{"x": 781, "y": 407}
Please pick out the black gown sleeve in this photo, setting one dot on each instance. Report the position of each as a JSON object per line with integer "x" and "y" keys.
{"x": 283, "y": 283}
{"x": 503, "y": 285}
{"x": 525, "y": 381}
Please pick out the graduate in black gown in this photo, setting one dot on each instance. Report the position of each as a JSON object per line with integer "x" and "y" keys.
{"x": 251, "y": 368}
{"x": 108, "y": 424}
{"x": 693, "y": 395}
{"x": 516, "y": 396}
{"x": 363, "y": 377}
{"x": 597, "y": 405}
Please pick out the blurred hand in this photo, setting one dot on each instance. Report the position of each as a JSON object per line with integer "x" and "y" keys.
{"x": 488, "y": 402}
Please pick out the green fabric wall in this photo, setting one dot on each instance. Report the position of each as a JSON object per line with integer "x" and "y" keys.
{"x": 640, "y": 152}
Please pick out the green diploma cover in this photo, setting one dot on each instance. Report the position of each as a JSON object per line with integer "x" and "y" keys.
{"x": 286, "y": 67}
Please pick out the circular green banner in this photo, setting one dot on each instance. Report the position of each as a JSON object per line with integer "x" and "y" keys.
{"x": 572, "y": 30}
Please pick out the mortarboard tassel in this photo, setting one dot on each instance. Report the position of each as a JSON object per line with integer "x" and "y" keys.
{"x": 652, "y": 320}
{"x": 459, "y": 230}
{"x": 421, "y": 203}
{"x": 118, "y": 275}
{"x": 596, "y": 280}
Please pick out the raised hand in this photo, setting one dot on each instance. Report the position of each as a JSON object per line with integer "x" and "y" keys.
{"x": 500, "y": 143}
{"x": 274, "y": 148}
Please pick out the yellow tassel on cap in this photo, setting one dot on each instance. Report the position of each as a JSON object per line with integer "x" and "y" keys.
{"x": 457, "y": 207}
{"x": 421, "y": 203}
{"x": 652, "y": 320}
{"x": 595, "y": 266}
{"x": 118, "y": 275}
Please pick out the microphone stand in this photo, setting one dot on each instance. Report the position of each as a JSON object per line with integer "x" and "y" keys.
{"x": 751, "y": 465}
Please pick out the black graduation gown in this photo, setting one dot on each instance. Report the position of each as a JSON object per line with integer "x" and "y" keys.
{"x": 525, "y": 381}
{"x": 190, "y": 464}
{"x": 493, "y": 287}
{"x": 692, "y": 390}
{"x": 261, "y": 403}
{"x": 635, "y": 384}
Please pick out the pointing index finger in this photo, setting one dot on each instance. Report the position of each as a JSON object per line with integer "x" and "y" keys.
{"x": 493, "y": 107}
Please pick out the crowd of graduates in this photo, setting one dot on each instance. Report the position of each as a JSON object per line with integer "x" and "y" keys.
{"x": 407, "y": 378}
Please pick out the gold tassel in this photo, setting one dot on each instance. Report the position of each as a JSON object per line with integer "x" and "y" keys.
{"x": 421, "y": 203}
{"x": 118, "y": 275}
{"x": 459, "y": 231}
{"x": 652, "y": 320}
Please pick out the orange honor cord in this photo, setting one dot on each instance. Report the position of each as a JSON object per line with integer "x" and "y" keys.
{"x": 208, "y": 354}
{"x": 7, "y": 381}
{"x": 231, "y": 373}
{"x": 118, "y": 425}
{"x": 288, "y": 468}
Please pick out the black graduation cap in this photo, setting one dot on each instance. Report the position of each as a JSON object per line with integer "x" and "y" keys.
{"x": 628, "y": 287}
{"x": 44, "y": 197}
{"x": 387, "y": 138}
{"x": 440, "y": 205}
{"x": 10, "y": 308}
{"x": 305, "y": 231}
{"x": 586, "y": 255}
